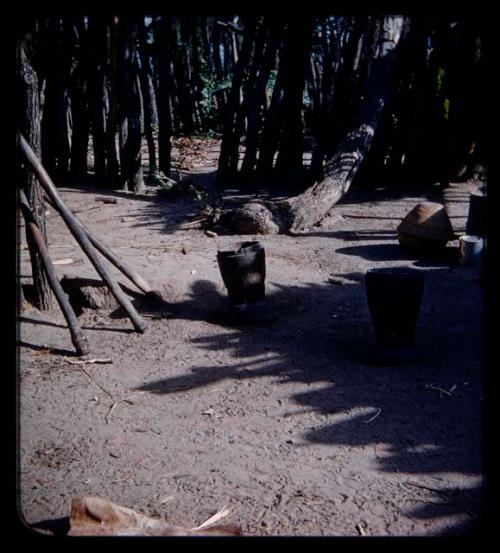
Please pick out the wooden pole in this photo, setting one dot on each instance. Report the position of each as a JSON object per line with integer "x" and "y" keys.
{"x": 77, "y": 337}
{"x": 79, "y": 234}
{"x": 112, "y": 257}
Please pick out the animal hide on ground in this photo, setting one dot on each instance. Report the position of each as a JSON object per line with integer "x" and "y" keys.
{"x": 94, "y": 516}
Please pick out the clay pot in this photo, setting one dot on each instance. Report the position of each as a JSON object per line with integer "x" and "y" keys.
{"x": 394, "y": 297}
{"x": 243, "y": 272}
{"x": 426, "y": 227}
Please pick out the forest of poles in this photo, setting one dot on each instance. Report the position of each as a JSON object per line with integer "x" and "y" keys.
{"x": 280, "y": 86}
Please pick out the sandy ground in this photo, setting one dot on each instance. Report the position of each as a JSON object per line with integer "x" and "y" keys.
{"x": 284, "y": 420}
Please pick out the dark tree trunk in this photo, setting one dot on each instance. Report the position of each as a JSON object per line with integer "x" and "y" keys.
{"x": 54, "y": 127}
{"x": 162, "y": 38}
{"x": 130, "y": 108}
{"x": 259, "y": 97}
{"x": 342, "y": 92}
{"x": 80, "y": 107}
{"x": 230, "y": 138}
{"x": 112, "y": 164}
{"x": 182, "y": 63}
{"x": 134, "y": 175}
{"x": 307, "y": 209}
{"x": 464, "y": 100}
{"x": 97, "y": 40}
{"x": 247, "y": 92}
{"x": 289, "y": 160}
{"x": 148, "y": 96}
{"x": 411, "y": 113}
{"x": 28, "y": 121}
{"x": 196, "y": 82}
{"x": 221, "y": 96}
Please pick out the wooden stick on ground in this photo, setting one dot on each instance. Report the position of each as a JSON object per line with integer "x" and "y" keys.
{"x": 77, "y": 337}
{"x": 79, "y": 234}
{"x": 113, "y": 258}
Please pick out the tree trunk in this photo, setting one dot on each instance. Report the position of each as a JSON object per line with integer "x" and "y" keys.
{"x": 130, "y": 107}
{"x": 28, "y": 120}
{"x": 273, "y": 122}
{"x": 230, "y": 138}
{"x": 97, "y": 36}
{"x": 182, "y": 63}
{"x": 464, "y": 100}
{"x": 162, "y": 39}
{"x": 289, "y": 160}
{"x": 258, "y": 99}
{"x": 221, "y": 95}
{"x": 54, "y": 126}
{"x": 307, "y": 209}
{"x": 78, "y": 93}
{"x": 113, "y": 167}
{"x": 149, "y": 102}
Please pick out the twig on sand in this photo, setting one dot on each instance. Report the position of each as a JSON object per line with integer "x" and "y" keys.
{"x": 84, "y": 361}
{"x": 438, "y": 389}
{"x": 360, "y": 529}
{"x": 213, "y": 519}
{"x": 423, "y": 486}
{"x": 125, "y": 399}
{"x": 94, "y": 381}
{"x": 374, "y": 416}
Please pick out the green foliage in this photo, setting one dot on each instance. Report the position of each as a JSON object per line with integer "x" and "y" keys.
{"x": 211, "y": 203}
{"x": 440, "y": 79}
{"x": 446, "y": 105}
{"x": 169, "y": 188}
{"x": 211, "y": 86}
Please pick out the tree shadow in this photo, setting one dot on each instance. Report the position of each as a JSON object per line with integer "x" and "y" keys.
{"x": 52, "y": 351}
{"x": 419, "y": 417}
{"x": 56, "y": 527}
{"x": 359, "y": 194}
{"x": 355, "y": 236}
{"x": 446, "y": 257}
{"x": 83, "y": 327}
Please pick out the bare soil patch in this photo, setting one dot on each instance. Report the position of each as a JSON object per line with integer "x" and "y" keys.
{"x": 285, "y": 419}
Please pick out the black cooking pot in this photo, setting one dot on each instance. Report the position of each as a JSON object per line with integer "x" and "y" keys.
{"x": 243, "y": 272}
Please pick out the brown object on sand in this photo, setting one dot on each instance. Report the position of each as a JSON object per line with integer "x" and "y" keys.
{"x": 94, "y": 516}
{"x": 426, "y": 226}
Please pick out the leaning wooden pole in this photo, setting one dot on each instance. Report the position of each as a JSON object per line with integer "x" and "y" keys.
{"x": 79, "y": 234}
{"x": 137, "y": 279}
{"x": 77, "y": 337}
